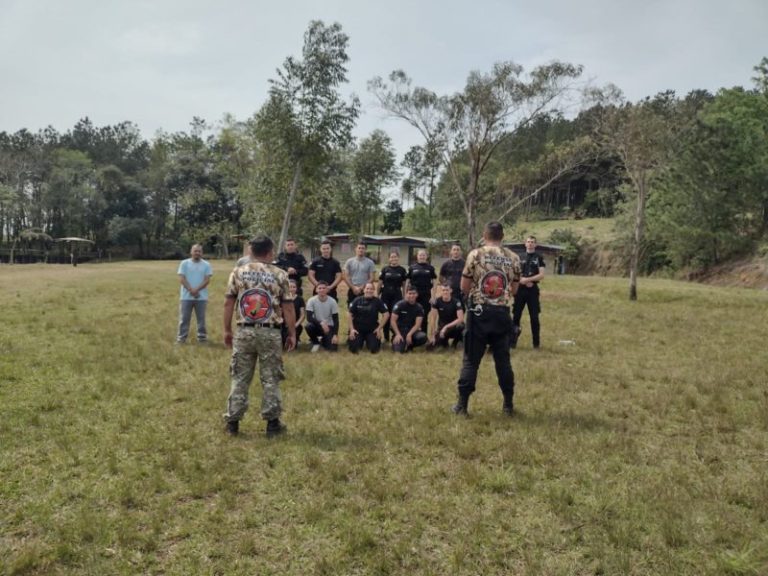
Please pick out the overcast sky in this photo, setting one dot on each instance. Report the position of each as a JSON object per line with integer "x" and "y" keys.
{"x": 158, "y": 63}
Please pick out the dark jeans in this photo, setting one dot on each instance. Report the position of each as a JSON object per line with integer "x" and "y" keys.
{"x": 424, "y": 298}
{"x": 364, "y": 338}
{"x": 317, "y": 336}
{"x": 419, "y": 338}
{"x": 390, "y": 299}
{"x": 489, "y": 329}
{"x": 455, "y": 333}
{"x": 526, "y": 297}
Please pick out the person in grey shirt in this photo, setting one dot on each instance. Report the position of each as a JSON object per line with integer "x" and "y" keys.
{"x": 323, "y": 320}
{"x": 358, "y": 271}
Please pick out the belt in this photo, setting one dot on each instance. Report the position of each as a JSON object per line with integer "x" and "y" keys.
{"x": 275, "y": 326}
{"x": 478, "y": 309}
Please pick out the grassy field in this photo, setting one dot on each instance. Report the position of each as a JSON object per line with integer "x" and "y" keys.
{"x": 596, "y": 229}
{"x": 641, "y": 448}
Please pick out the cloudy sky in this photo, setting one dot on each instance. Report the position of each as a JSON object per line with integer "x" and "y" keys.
{"x": 158, "y": 63}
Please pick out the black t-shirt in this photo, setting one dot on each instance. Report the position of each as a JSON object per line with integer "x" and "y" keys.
{"x": 451, "y": 270}
{"x": 298, "y": 304}
{"x": 296, "y": 261}
{"x": 530, "y": 264}
{"x": 447, "y": 311}
{"x": 407, "y": 314}
{"x": 365, "y": 312}
{"x": 421, "y": 276}
{"x": 392, "y": 278}
{"x": 325, "y": 269}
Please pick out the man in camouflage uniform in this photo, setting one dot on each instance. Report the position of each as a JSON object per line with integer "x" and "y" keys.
{"x": 489, "y": 281}
{"x": 260, "y": 293}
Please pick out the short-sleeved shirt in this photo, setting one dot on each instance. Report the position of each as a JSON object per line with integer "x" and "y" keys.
{"x": 407, "y": 314}
{"x": 421, "y": 276}
{"x": 448, "y": 311}
{"x": 325, "y": 269}
{"x": 365, "y": 312}
{"x": 451, "y": 270}
{"x": 392, "y": 279}
{"x": 360, "y": 270}
{"x": 531, "y": 263}
{"x": 259, "y": 289}
{"x": 493, "y": 270}
{"x": 195, "y": 273}
{"x": 323, "y": 311}
{"x": 296, "y": 261}
{"x": 298, "y": 305}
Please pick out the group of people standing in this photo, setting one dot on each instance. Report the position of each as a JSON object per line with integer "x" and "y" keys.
{"x": 264, "y": 296}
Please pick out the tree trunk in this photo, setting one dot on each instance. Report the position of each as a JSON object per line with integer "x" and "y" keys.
{"x": 289, "y": 207}
{"x": 637, "y": 238}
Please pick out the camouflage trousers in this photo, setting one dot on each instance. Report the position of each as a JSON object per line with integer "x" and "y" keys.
{"x": 249, "y": 346}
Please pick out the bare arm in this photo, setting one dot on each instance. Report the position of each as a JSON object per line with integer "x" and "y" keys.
{"x": 466, "y": 285}
{"x": 229, "y": 309}
{"x": 289, "y": 317}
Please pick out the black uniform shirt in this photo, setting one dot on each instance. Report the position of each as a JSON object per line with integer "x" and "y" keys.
{"x": 392, "y": 278}
{"x": 407, "y": 314}
{"x": 325, "y": 269}
{"x": 365, "y": 312}
{"x": 451, "y": 270}
{"x": 531, "y": 263}
{"x": 447, "y": 312}
{"x": 295, "y": 260}
{"x": 421, "y": 276}
{"x": 298, "y": 305}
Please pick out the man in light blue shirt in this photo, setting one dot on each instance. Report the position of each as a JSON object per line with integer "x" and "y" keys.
{"x": 194, "y": 276}
{"x": 358, "y": 271}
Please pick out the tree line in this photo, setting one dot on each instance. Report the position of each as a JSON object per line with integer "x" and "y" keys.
{"x": 686, "y": 176}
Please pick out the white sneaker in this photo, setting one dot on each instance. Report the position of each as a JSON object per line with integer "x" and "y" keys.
{"x": 315, "y": 348}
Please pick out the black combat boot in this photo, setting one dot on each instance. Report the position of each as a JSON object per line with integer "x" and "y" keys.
{"x": 461, "y": 406}
{"x": 275, "y": 428}
{"x": 233, "y": 428}
{"x": 508, "y": 408}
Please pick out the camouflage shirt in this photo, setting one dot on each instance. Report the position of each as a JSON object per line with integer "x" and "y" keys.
{"x": 493, "y": 270}
{"x": 260, "y": 289}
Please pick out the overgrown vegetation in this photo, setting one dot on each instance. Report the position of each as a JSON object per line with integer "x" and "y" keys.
{"x": 639, "y": 449}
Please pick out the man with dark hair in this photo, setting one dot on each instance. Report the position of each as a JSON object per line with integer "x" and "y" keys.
{"x": 194, "y": 275}
{"x": 293, "y": 262}
{"x": 358, "y": 271}
{"x": 406, "y": 322}
{"x": 325, "y": 268}
{"x": 323, "y": 320}
{"x": 259, "y": 291}
{"x": 448, "y": 314}
{"x": 421, "y": 276}
{"x": 367, "y": 317}
{"x": 450, "y": 271}
{"x": 489, "y": 281}
{"x": 528, "y": 293}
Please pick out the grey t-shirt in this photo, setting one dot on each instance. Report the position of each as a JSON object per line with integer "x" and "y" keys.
{"x": 359, "y": 271}
{"x": 323, "y": 311}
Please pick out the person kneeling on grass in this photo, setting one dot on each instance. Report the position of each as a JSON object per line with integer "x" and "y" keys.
{"x": 365, "y": 328}
{"x": 323, "y": 320}
{"x": 449, "y": 323}
{"x": 406, "y": 321}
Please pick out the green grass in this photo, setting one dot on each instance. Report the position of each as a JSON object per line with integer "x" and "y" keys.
{"x": 641, "y": 449}
{"x": 592, "y": 229}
